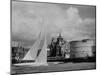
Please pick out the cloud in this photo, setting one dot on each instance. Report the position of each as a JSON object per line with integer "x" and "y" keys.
{"x": 29, "y": 18}
{"x": 77, "y": 28}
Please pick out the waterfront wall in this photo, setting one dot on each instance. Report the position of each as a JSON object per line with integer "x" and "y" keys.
{"x": 82, "y": 48}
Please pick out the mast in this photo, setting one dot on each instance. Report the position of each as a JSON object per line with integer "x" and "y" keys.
{"x": 32, "y": 53}
{"x": 42, "y": 58}
{"x": 41, "y": 43}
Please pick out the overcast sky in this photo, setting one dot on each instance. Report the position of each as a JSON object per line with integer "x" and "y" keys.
{"x": 75, "y": 22}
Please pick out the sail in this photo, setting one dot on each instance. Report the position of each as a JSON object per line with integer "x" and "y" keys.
{"x": 32, "y": 53}
{"x": 42, "y": 57}
{"x": 38, "y": 51}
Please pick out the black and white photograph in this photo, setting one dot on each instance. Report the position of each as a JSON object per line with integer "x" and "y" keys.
{"x": 52, "y": 37}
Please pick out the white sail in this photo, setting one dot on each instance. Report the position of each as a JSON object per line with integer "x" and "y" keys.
{"x": 42, "y": 57}
{"x": 32, "y": 53}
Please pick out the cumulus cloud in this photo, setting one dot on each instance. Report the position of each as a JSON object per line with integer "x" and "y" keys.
{"x": 77, "y": 28}
{"x": 29, "y": 18}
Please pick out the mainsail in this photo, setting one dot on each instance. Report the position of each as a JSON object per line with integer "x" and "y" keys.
{"x": 42, "y": 57}
{"x": 38, "y": 52}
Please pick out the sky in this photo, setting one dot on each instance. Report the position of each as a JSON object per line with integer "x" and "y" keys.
{"x": 74, "y": 22}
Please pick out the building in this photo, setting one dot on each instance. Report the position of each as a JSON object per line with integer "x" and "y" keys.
{"x": 18, "y": 51}
{"x": 59, "y": 48}
{"x": 82, "y": 49}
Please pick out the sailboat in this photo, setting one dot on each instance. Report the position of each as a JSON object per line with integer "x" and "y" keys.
{"x": 39, "y": 56}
